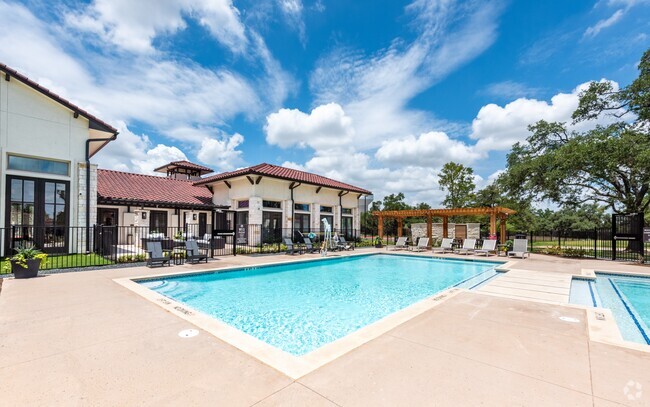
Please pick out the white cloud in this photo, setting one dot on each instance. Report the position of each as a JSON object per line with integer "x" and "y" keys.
{"x": 222, "y": 153}
{"x": 131, "y": 152}
{"x": 605, "y": 23}
{"x": 509, "y": 90}
{"x": 432, "y": 149}
{"x": 498, "y": 128}
{"x": 326, "y": 127}
{"x": 133, "y": 25}
{"x": 293, "y": 13}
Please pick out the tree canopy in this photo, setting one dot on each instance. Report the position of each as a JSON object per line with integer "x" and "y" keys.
{"x": 458, "y": 181}
{"x": 609, "y": 164}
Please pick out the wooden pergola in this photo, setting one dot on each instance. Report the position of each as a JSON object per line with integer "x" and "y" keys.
{"x": 493, "y": 212}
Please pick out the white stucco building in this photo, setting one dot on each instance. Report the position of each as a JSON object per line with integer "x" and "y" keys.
{"x": 45, "y": 143}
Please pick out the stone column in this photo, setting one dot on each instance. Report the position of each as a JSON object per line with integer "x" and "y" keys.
{"x": 80, "y": 245}
{"x": 255, "y": 218}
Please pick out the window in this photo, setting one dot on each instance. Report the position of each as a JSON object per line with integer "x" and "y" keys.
{"x": 38, "y": 165}
{"x": 38, "y": 212}
{"x": 301, "y": 207}
{"x": 158, "y": 222}
{"x": 242, "y": 204}
{"x": 271, "y": 227}
{"x": 346, "y": 211}
{"x": 327, "y": 209}
{"x": 302, "y": 222}
{"x": 272, "y": 204}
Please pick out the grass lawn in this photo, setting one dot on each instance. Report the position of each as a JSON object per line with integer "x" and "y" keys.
{"x": 64, "y": 261}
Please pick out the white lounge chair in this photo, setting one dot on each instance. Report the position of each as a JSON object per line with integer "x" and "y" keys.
{"x": 488, "y": 246}
{"x": 399, "y": 245}
{"x": 445, "y": 246}
{"x": 469, "y": 245}
{"x": 519, "y": 248}
{"x": 422, "y": 245}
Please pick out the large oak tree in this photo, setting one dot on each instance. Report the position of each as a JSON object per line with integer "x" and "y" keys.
{"x": 608, "y": 164}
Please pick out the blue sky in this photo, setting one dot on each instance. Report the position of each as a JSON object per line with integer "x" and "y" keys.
{"x": 378, "y": 94}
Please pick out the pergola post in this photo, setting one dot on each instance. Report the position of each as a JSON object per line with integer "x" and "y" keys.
{"x": 399, "y": 227}
{"x": 380, "y": 226}
{"x": 445, "y": 227}
{"x": 502, "y": 236}
{"x": 493, "y": 225}
{"x": 429, "y": 229}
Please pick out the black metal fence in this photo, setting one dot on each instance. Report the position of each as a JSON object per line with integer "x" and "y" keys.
{"x": 252, "y": 239}
{"x": 597, "y": 243}
{"x": 76, "y": 247}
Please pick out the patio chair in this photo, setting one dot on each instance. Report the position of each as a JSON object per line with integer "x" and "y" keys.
{"x": 519, "y": 248}
{"x": 469, "y": 245}
{"x": 194, "y": 253}
{"x": 291, "y": 249}
{"x": 488, "y": 246}
{"x": 422, "y": 245}
{"x": 344, "y": 244}
{"x": 310, "y": 246}
{"x": 399, "y": 245}
{"x": 445, "y": 246}
{"x": 156, "y": 255}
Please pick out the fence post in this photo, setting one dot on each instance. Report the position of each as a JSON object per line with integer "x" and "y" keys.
{"x": 531, "y": 241}
{"x": 595, "y": 243}
{"x": 613, "y": 236}
{"x": 559, "y": 239}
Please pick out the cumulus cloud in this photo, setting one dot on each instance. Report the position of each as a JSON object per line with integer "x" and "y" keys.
{"x": 499, "y": 127}
{"x": 132, "y": 152}
{"x": 326, "y": 127}
{"x": 428, "y": 149}
{"x": 222, "y": 152}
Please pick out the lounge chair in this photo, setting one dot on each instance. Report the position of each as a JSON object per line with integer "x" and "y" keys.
{"x": 291, "y": 248}
{"x": 519, "y": 248}
{"x": 445, "y": 246}
{"x": 345, "y": 245}
{"x": 310, "y": 246}
{"x": 422, "y": 245}
{"x": 156, "y": 255}
{"x": 469, "y": 245}
{"x": 399, "y": 245}
{"x": 194, "y": 253}
{"x": 488, "y": 246}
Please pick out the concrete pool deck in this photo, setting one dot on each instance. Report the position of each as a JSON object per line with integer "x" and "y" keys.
{"x": 83, "y": 339}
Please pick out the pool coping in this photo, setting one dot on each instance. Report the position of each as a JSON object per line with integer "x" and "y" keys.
{"x": 291, "y": 365}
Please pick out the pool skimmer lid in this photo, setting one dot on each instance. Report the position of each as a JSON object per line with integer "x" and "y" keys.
{"x": 570, "y": 319}
{"x": 188, "y": 333}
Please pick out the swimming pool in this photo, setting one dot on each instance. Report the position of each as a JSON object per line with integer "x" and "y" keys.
{"x": 628, "y": 297}
{"x": 299, "y": 307}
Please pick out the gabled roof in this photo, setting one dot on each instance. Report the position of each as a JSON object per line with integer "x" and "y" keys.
{"x": 95, "y": 123}
{"x": 127, "y": 188}
{"x": 275, "y": 171}
{"x": 184, "y": 164}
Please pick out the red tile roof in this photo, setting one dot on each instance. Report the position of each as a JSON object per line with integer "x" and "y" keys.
{"x": 185, "y": 164}
{"x": 125, "y": 187}
{"x": 98, "y": 123}
{"x": 289, "y": 174}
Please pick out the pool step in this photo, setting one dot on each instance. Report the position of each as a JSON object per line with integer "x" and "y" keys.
{"x": 534, "y": 285}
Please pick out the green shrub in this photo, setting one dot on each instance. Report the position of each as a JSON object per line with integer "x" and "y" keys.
{"x": 553, "y": 250}
{"x": 574, "y": 252}
{"x": 132, "y": 258}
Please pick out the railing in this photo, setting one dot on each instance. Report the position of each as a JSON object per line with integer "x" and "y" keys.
{"x": 109, "y": 245}
{"x": 254, "y": 239}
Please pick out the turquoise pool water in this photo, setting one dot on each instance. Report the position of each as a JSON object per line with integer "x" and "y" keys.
{"x": 627, "y": 296}
{"x": 302, "y": 306}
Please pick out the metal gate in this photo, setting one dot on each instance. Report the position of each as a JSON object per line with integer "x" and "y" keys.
{"x": 627, "y": 237}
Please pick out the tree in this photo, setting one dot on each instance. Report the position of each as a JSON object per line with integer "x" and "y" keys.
{"x": 458, "y": 181}
{"x": 584, "y": 217}
{"x": 607, "y": 164}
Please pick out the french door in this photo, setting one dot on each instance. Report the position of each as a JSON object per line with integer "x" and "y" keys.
{"x": 38, "y": 213}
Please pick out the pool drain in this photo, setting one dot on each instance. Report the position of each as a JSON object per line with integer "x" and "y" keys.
{"x": 569, "y": 319}
{"x": 188, "y": 333}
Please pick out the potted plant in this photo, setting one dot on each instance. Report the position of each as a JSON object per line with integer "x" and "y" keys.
{"x": 26, "y": 262}
{"x": 378, "y": 242}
